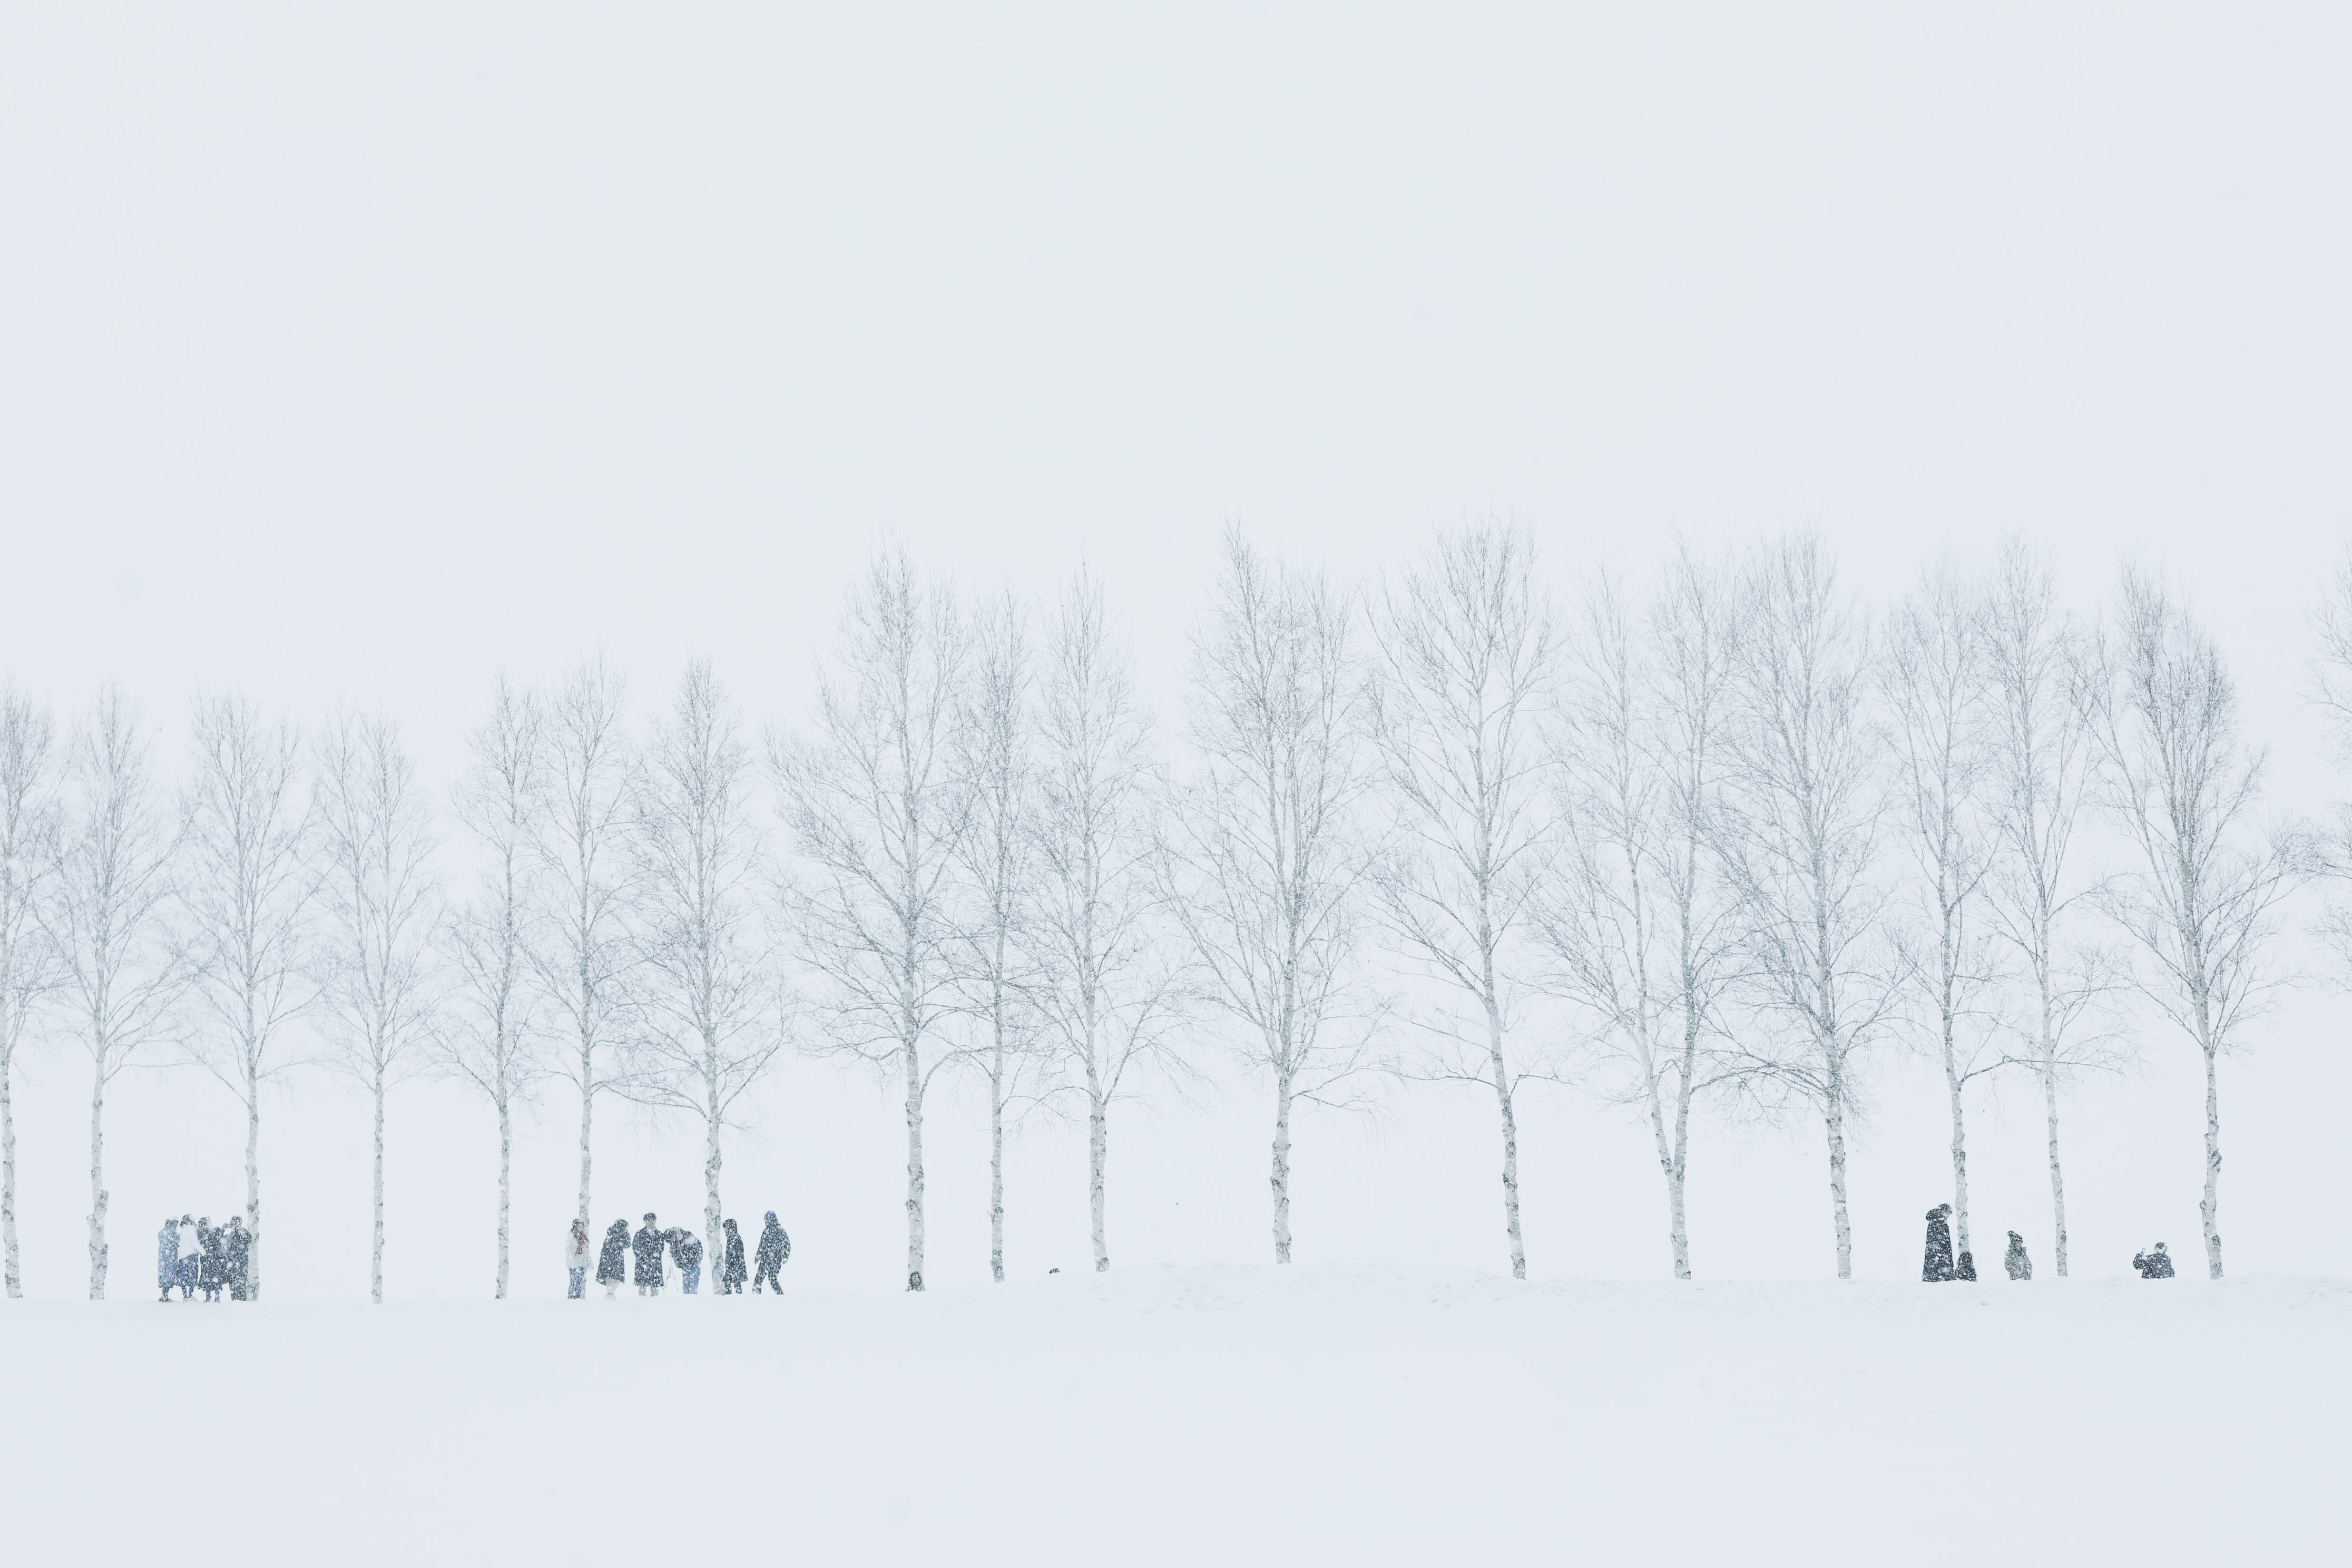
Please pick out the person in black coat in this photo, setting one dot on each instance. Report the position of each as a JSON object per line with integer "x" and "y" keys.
{"x": 2020, "y": 1266}
{"x": 612, "y": 1262}
{"x": 775, "y": 1248}
{"x": 1937, "y": 1268}
{"x": 213, "y": 1272}
{"x": 731, "y": 1272}
{"x": 650, "y": 1244}
{"x": 2157, "y": 1265}
{"x": 237, "y": 1246}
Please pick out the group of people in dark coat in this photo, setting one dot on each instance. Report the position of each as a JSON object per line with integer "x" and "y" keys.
{"x": 197, "y": 1254}
{"x": 1940, "y": 1266}
{"x": 652, "y": 1248}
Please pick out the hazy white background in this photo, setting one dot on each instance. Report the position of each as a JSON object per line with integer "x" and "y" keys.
{"x": 349, "y": 359}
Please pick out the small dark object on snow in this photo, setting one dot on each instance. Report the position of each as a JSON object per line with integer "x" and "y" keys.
{"x": 1053, "y": 1271}
{"x": 776, "y": 1250}
{"x": 1937, "y": 1268}
{"x": 731, "y": 1272}
{"x": 915, "y": 1281}
{"x": 2157, "y": 1265}
{"x": 2020, "y": 1266}
{"x": 647, "y": 1244}
{"x": 612, "y": 1263}
{"x": 1967, "y": 1268}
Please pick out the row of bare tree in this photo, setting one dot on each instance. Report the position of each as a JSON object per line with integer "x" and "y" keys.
{"x": 1729, "y": 840}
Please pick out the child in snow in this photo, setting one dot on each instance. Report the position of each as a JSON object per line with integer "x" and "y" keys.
{"x": 776, "y": 1246}
{"x": 575, "y": 1260}
{"x": 647, "y": 1244}
{"x": 731, "y": 1272}
{"x": 612, "y": 1264}
{"x": 167, "y": 1257}
{"x": 686, "y": 1247}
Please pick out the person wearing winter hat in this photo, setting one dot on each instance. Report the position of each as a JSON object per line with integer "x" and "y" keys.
{"x": 731, "y": 1272}
{"x": 648, "y": 1244}
{"x": 775, "y": 1248}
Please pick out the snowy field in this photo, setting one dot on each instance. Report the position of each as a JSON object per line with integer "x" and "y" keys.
{"x": 1195, "y": 1415}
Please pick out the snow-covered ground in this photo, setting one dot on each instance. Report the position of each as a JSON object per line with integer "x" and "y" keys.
{"x": 1194, "y": 1416}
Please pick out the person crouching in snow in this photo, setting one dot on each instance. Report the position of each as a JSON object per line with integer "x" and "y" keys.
{"x": 647, "y": 1244}
{"x": 776, "y": 1246}
{"x": 686, "y": 1247}
{"x": 731, "y": 1272}
{"x": 575, "y": 1260}
{"x": 1937, "y": 1268}
{"x": 167, "y": 1257}
{"x": 613, "y": 1263}
{"x": 2020, "y": 1266}
{"x": 2157, "y": 1265}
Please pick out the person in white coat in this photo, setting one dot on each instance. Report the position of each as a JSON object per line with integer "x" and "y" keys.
{"x": 575, "y": 1261}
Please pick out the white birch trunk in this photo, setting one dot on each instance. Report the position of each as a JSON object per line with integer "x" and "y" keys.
{"x": 375, "y": 1254}
{"x": 2057, "y": 1182}
{"x": 1098, "y": 1157}
{"x": 8, "y": 1181}
{"x": 1835, "y": 1118}
{"x": 506, "y": 1187}
{"x": 1959, "y": 1144}
{"x": 996, "y": 1161}
{"x": 913, "y": 1170}
{"x": 253, "y": 1187}
{"x": 97, "y": 1189}
{"x": 714, "y": 1250}
{"x": 1282, "y": 1168}
{"x": 587, "y": 1123}
{"x": 2209, "y": 1210}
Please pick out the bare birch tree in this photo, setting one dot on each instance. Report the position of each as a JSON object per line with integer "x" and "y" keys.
{"x": 382, "y": 907}
{"x": 111, "y": 922}
{"x": 2042, "y": 771}
{"x": 2202, "y": 904}
{"x": 997, "y": 866}
{"x": 713, "y": 1020}
{"x": 1262, "y": 853}
{"x": 877, "y": 809}
{"x": 248, "y": 881}
{"x": 1637, "y": 922}
{"x": 1110, "y": 988}
{"x": 28, "y": 863}
{"x": 582, "y": 945}
{"x": 490, "y": 1036}
{"x": 1934, "y": 686}
{"x": 1465, "y": 667}
{"x": 1798, "y": 833}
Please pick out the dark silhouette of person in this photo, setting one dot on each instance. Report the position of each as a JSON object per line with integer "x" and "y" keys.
{"x": 1937, "y": 1268}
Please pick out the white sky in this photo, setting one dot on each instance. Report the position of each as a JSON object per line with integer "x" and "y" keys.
{"x": 346, "y": 359}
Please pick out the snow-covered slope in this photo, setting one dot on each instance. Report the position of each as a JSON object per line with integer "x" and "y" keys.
{"x": 1194, "y": 1416}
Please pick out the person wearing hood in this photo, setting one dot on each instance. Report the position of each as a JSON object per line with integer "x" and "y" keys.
{"x": 167, "y": 1257}
{"x": 192, "y": 1258}
{"x": 648, "y": 1244}
{"x": 2157, "y": 1265}
{"x": 775, "y": 1248}
{"x": 236, "y": 1245}
{"x": 1937, "y": 1268}
{"x": 612, "y": 1263}
{"x": 2020, "y": 1266}
{"x": 214, "y": 1271}
{"x": 575, "y": 1260}
{"x": 686, "y": 1247}
{"x": 731, "y": 1272}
